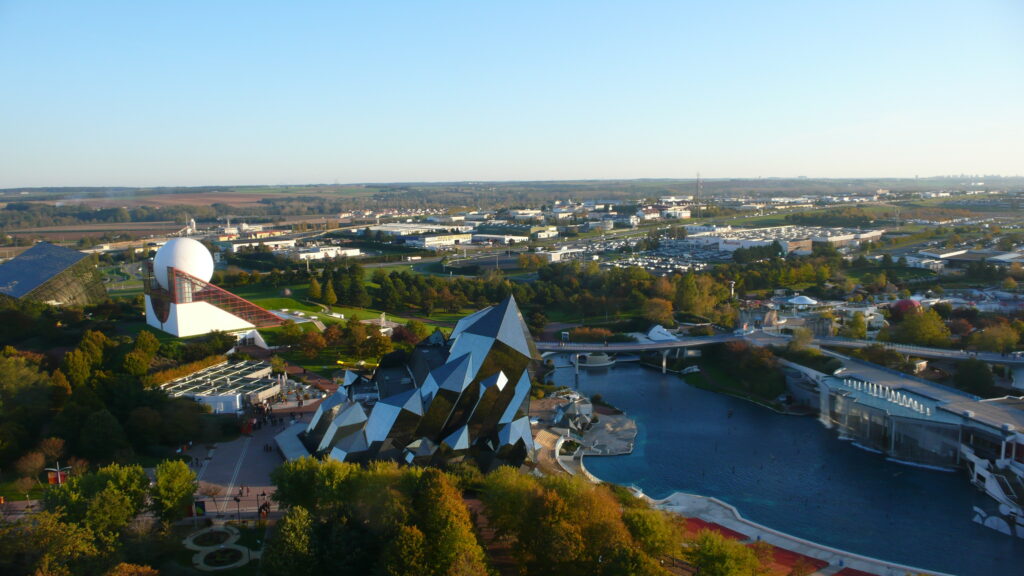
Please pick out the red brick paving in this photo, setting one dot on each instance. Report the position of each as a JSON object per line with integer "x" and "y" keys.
{"x": 695, "y": 525}
{"x": 853, "y": 572}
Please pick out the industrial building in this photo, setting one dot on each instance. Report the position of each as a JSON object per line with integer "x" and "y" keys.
{"x": 436, "y": 241}
{"x": 793, "y": 239}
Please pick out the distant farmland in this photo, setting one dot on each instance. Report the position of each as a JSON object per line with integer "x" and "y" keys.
{"x": 241, "y": 197}
{"x": 76, "y": 231}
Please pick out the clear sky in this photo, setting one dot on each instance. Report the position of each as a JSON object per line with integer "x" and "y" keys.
{"x": 162, "y": 93}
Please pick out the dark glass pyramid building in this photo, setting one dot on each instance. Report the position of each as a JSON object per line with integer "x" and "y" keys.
{"x": 464, "y": 396}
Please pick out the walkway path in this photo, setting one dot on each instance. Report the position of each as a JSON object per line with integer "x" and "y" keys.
{"x": 241, "y": 468}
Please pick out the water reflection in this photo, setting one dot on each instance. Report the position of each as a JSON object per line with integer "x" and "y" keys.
{"x": 791, "y": 474}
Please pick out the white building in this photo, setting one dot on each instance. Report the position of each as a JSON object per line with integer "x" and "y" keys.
{"x": 180, "y": 300}
{"x": 677, "y": 213}
{"x": 274, "y": 244}
{"x": 435, "y": 241}
{"x": 323, "y": 252}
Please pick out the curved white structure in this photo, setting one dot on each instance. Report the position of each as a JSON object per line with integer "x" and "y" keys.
{"x": 180, "y": 299}
{"x": 183, "y": 254}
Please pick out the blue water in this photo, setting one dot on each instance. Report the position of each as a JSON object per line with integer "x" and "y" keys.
{"x": 792, "y": 474}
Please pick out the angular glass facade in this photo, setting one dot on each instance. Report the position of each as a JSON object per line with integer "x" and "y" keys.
{"x": 469, "y": 398}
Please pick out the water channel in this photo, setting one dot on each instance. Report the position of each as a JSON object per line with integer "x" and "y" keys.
{"x": 792, "y": 474}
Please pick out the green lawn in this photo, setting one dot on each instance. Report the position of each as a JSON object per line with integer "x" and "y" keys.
{"x": 11, "y": 494}
{"x": 902, "y": 272}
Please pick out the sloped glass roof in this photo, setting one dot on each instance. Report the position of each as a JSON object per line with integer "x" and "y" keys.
{"x": 33, "y": 267}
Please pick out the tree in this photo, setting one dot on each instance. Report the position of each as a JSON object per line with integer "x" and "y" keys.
{"x": 60, "y": 388}
{"x": 125, "y": 569}
{"x": 43, "y": 544}
{"x": 52, "y": 448}
{"x": 1009, "y": 284}
{"x": 405, "y": 554}
{"x": 102, "y": 436}
{"x": 311, "y": 344}
{"x": 924, "y": 328}
{"x": 329, "y": 297}
{"x": 315, "y": 292}
{"x": 147, "y": 343}
{"x": 172, "y": 491}
{"x": 136, "y": 363}
{"x": 857, "y": 327}
{"x": 333, "y": 334}
{"x": 714, "y": 555}
{"x": 130, "y": 480}
{"x": 108, "y": 512}
{"x": 278, "y": 364}
{"x": 290, "y": 332}
{"x": 291, "y": 550}
{"x": 658, "y": 311}
{"x": 996, "y": 338}
{"x": 802, "y": 338}
{"x": 652, "y": 530}
{"x": 536, "y": 321}
{"x": 31, "y": 465}
{"x": 974, "y": 376}
{"x": 77, "y": 367}
{"x": 442, "y": 515}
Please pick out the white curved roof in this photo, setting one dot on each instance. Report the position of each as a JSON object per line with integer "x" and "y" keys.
{"x": 803, "y": 301}
{"x": 184, "y": 254}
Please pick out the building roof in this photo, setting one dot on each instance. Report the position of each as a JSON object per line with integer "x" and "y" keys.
{"x": 803, "y": 301}
{"x": 34, "y": 267}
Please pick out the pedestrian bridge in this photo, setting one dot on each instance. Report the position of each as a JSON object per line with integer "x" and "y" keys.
{"x": 761, "y": 338}
{"x": 612, "y": 347}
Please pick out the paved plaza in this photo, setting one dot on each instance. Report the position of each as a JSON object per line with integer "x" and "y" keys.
{"x": 241, "y": 468}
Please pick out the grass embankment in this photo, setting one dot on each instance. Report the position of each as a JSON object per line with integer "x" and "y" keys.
{"x": 764, "y": 391}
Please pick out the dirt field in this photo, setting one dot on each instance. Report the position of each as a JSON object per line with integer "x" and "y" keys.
{"x": 75, "y": 231}
{"x": 190, "y": 199}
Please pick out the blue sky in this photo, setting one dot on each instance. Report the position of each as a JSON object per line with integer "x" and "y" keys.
{"x": 219, "y": 92}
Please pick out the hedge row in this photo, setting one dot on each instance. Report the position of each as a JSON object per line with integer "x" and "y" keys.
{"x": 165, "y": 376}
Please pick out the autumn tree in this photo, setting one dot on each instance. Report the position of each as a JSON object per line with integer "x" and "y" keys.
{"x": 995, "y": 338}
{"x": 315, "y": 293}
{"x": 311, "y": 344}
{"x": 441, "y": 514}
{"x": 658, "y": 311}
{"x": 329, "y": 297}
{"x": 125, "y": 569}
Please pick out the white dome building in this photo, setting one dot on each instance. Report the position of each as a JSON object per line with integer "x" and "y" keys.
{"x": 180, "y": 299}
{"x": 184, "y": 255}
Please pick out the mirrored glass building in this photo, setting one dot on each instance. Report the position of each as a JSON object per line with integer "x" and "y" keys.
{"x": 464, "y": 396}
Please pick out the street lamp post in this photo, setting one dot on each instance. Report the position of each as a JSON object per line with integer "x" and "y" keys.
{"x": 238, "y": 508}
